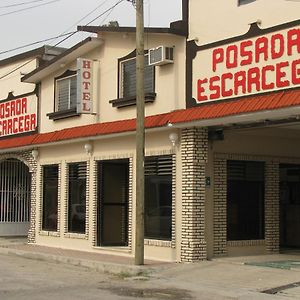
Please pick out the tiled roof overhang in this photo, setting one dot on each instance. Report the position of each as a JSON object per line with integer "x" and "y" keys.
{"x": 272, "y": 103}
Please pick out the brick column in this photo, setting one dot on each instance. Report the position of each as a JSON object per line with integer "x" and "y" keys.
{"x": 194, "y": 152}
{"x": 220, "y": 207}
{"x": 272, "y": 207}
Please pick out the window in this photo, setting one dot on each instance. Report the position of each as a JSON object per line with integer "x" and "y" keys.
{"x": 158, "y": 197}
{"x": 128, "y": 80}
{"x": 77, "y": 197}
{"x": 50, "y": 197}
{"x": 242, "y": 2}
{"x": 66, "y": 93}
{"x": 245, "y": 200}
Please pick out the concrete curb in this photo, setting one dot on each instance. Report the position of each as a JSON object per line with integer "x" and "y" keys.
{"x": 105, "y": 267}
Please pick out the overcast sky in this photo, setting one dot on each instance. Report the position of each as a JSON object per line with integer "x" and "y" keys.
{"x": 54, "y": 17}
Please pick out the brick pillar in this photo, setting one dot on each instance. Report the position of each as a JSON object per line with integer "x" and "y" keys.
{"x": 194, "y": 152}
{"x": 220, "y": 207}
{"x": 272, "y": 207}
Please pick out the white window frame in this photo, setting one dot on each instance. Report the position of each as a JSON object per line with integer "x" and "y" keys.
{"x": 57, "y": 100}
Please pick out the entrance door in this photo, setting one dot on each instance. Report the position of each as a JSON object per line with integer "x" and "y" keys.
{"x": 15, "y": 182}
{"x": 113, "y": 179}
{"x": 289, "y": 206}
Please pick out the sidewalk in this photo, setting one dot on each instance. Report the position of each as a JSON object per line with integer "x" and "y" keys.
{"x": 252, "y": 277}
{"x": 114, "y": 264}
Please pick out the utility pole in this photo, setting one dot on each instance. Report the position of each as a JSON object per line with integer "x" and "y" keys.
{"x": 140, "y": 134}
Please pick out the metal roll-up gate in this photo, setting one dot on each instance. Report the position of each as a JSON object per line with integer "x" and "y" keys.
{"x": 15, "y": 182}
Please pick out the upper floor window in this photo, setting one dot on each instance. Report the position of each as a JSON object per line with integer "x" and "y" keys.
{"x": 241, "y": 2}
{"x": 127, "y": 82}
{"x": 65, "y": 96}
{"x": 128, "y": 78}
{"x": 66, "y": 91}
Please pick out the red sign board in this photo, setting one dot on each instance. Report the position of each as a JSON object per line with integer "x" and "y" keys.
{"x": 18, "y": 116}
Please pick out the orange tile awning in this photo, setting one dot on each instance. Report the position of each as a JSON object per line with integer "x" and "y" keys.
{"x": 207, "y": 111}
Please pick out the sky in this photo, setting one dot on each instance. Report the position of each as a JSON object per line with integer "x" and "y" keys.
{"x": 27, "y": 21}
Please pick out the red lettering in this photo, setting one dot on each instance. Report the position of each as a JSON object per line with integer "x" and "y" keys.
{"x": 293, "y": 41}
{"x": 224, "y": 78}
{"x": 277, "y": 46}
{"x": 7, "y": 111}
{"x": 217, "y": 57}
{"x": 214, "y": 87}
{"x": 240, "y": 82}
{"x": 296, "y": 71}
{"x": 231, "y": 56}
{"x": 264, "y": 84}
{"x": 201, "y": 90}
{"x": 280, "y": 75}
{"x": 15, "y": 125}
{"x": 86, "y": 96}
{"x": 33, "y": 122}
{"x": 24, "y": 106}
{"x": 4, "y": 123}
{"x": 9, "y": 126}
{"x": 253, "y": 79}
{"x": 261, "y": 48}
{"x": 21, "y": 124}
{"x": 86, "y": 64}
{"x": 86, "y": 75}
{"x": 246, "y": 53}
{"x": 86, "y": 85}
{"x": 85, "y": 106}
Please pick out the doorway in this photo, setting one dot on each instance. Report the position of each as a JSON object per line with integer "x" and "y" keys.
{"x": 113, "y": 184}
{"x": 289, "y": 206}
{"x": 15, "y": 195}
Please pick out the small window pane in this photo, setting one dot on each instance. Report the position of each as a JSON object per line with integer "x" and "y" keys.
{"x": 66, "y": 93}
{"x": 129, "y": 77}
{"x": 50, "y": 197}
{"x": 241, "y": 2}
{"x": 77, "y": 197}
{"x": 245, "y": 200}
{"x": 158, "y": 197}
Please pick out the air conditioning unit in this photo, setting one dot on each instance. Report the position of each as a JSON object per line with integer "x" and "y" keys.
{"x": 161, "y": 56}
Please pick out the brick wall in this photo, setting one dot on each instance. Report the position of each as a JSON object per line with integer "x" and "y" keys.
{"x": 272, "y": 227}
{"x": 29, "y": 161}
{"x": 194, "y": 155}
{"x": 272, "y": 222}
{"x": 220, "y": 207}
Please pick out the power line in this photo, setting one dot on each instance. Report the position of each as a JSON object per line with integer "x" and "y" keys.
{"x": 34, "y": 43}
{"x": 27, "y": 8}
{"x": 71, "y": 34}
{"x": 22, "y": 3}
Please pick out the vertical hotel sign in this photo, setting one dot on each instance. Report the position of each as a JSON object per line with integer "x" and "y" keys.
{"x": 85, "y": 86}
{"x": 18, "y": 116}
{"x": 263, "y": 60}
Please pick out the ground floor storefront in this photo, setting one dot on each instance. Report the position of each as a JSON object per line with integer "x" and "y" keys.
{"x": 208, "y": 193}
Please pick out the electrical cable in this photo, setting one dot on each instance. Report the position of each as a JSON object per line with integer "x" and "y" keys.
{"x": 19, "y": 4}
{"x": 71, "y": 34}
{"x": 34, "y": 43}
{"x": 28, "y": 8}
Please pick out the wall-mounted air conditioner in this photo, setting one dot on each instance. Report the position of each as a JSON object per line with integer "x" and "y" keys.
{"x": 161, "y": 56}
